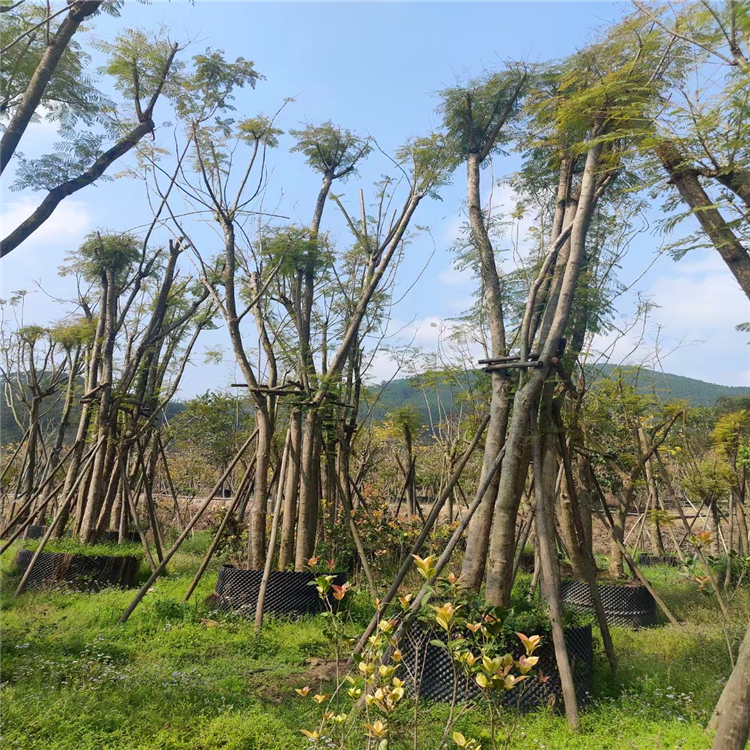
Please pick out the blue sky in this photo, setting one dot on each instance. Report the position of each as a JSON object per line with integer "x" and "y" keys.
{"x": 375, "y": 68}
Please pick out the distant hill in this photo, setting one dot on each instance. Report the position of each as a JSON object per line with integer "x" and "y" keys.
{"x": 669, "y": 387}
{"x": 665, "y": 386}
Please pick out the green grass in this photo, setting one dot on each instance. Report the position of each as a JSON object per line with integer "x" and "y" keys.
{"x": 179, "y": 677}
{"x": 74, "y": 547}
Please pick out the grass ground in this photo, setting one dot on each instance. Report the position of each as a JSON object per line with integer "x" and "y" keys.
{"x": 179, "y": 677}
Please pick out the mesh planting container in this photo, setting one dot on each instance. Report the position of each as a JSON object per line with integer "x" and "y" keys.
{"x": 34, "y": 531}
{"x": 78, "y": 571}
{"x": 630, "y": 606}
{"x": 431, "y": 674}
{"x": 646, "y": 561}
{"x": 288, "y": 591}
{"x": 114, "y": 536}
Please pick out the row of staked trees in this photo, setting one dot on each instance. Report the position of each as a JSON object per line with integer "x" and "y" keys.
{"x": 600, "y": 134}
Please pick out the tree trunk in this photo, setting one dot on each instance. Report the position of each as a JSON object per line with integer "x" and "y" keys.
{"x": 731, "y": 718}
{"x": 45, "y": 69}
{"x": 106, "y": 417}
{"x": 291, "y": 489}
{"x": 258, "y": 510}
{"x": 502, "y": 542}
{"x": 722, "y": 236}
{"x": 478, "y": 540}
{"x": 308, "y": 495}
{"x": 624, "y": 503}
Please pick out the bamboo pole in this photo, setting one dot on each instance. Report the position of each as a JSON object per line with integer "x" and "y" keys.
{"x": 43, "y": 543}
{"x": 134, "y": 514}
{"x": 170, "y": 483}
{"x": 84, "y": 465}
{"x": 551, "y": 576}
{"x": 346, "y": 504}
{"x": 28, "y": 503}
{"x": 274, "y": 531}
{"x": 15, "y": 453}
{"x": 150, "y": 507}
{"x": 218, "y": 535}
{"x": 416, "y": 605}
{"x": 589, "y": 563}
{"x": 609, "y": 524}
{"x": 168, "y": 556}
{"x": 431, "y": 519}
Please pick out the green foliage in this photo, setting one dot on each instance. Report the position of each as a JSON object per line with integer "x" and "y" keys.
{"x": 101, "y": 252}
{"x": 405, "y": 418}
{"x": 208, "y": 87}
{"x": 212, "y": 425}
{"x": 74, "y": 153}
{"x": 137, "y": 62}
{"x": 71, "y": 94}
{"x": 429, "y": 163}
{"x": 709, "y": 480}
{"x": 70, "y": 334}
{"x": 730, "y": 429}
{"x": 297, "y": 250}
{"x": 471, "y": 113}
{"x": 330, "y": 149}
{"x": 259, "y": 130}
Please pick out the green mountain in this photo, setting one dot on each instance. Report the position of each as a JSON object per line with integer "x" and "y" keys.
{"x": 665, "y": 386}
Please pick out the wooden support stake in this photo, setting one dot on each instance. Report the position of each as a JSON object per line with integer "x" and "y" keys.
{"x": 609, "y": 524}
{"x": 408, "y": 560}
{"x": 551, "y": 576}
{"x": 134, "y": 514}
{"x": 274, "y": 531}
{"x": 27, "y": 522}
{"x": 168, "y": 556}
{"x": 43, "y": 543}
{"x": 346, "y": 504}
{"x": 217, "y": 536}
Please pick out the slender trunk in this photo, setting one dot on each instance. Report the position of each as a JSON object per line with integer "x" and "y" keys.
{"x": 106, "y": 416}
{"x": 308, "y": 496}
{"x": 624, "y": 503}
{"x": 257, "y": 539}
{"x": 478, "y": 540}
{"x": 291, "y": 488}
{"x": 502, "y": 542}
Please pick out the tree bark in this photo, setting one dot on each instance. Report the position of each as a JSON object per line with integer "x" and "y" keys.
{"x": 685, "y": 179}
{"x": 291, "y": 489}
{"x": 478, "y": 538}
{"x": 45, "y": 69}
{"x": 731, "y": 718}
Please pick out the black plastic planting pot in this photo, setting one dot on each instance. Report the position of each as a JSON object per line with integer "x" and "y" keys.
{"x": 431, "y": 671}
{"x": 288, "y": 592}
{"x": 646, "y": 561}
{"x": 79, "y": 571}
{"x": 628, "y": 605}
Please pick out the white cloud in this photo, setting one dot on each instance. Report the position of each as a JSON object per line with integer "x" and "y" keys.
{"x": 692, "y": 331}
{"x": 453, "y": 277}
{"x": 697, "y": 298}
{"x": 70, "y": 220}
{"x": 63, "y": 230}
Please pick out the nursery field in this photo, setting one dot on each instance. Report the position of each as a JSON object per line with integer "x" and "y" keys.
{"x": 179, "y": 676}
